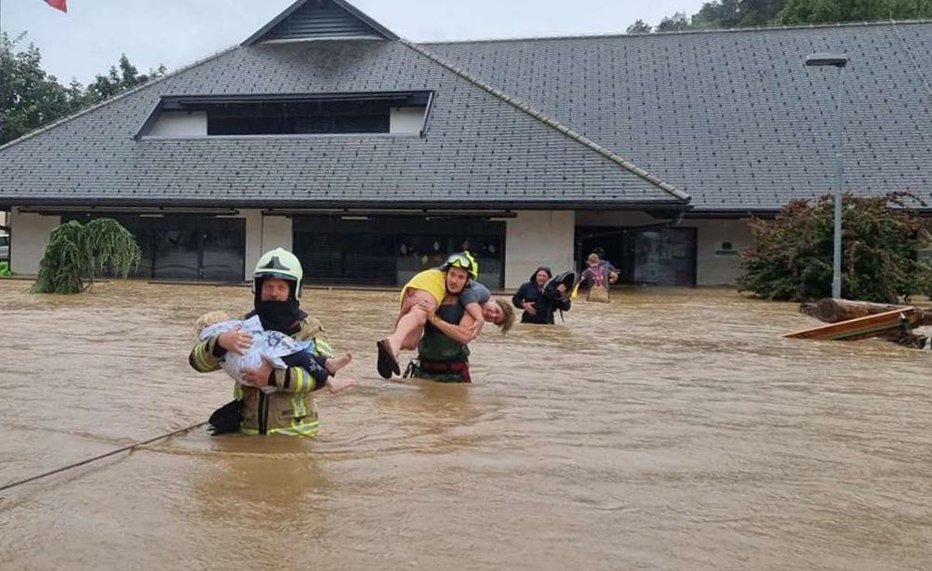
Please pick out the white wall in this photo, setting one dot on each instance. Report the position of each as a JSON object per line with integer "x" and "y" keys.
{"x": 180, "y": 124}
{"x": 253, "y": 240}
{"x": 538, "y": 238}
{"x": 716, "y": 264}
{"x": 264, "y": 233}
{"x": 406, "y": 119}
{"x": 29, "y": 236}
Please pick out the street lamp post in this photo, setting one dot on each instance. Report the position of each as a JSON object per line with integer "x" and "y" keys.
{"x": 839, "y": 61}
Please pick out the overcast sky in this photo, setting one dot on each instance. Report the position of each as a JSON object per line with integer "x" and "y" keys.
{"x": 91, "y": 36}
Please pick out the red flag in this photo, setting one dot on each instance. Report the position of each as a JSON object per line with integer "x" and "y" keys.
{"x": 58, "y": 4}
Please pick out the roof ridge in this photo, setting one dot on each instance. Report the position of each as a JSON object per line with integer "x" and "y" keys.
{"x": 113, "y": 99}
{"x": 684, "y": 32}
{"x": 553, "y": 123}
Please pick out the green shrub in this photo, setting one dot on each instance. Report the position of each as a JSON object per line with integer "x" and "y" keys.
{"x": 77, "y": 253}
{"x": 791, "y": 258}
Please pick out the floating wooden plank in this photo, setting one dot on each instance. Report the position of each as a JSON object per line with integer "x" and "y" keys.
{"x": 863, "y": 327}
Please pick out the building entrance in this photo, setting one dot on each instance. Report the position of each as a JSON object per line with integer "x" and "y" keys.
{"x": 650, "y": 256}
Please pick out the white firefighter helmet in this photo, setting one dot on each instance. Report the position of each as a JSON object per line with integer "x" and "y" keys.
{"x": 279, "y": 263}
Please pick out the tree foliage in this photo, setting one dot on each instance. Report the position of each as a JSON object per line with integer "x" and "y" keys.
{"x": 719, "y": 14}
{"x": 31, "y": 98}
{"x": 758, "y": 12}
{"x": 716, "y": 14}
{"x": 830, "y": 11}
{"x": 639, "y": 27}
{"x": 792, "y": 255}
{"x": 119, "y": 80}
{"x": 77, "y": 253}
{"x": 675, "y": 23}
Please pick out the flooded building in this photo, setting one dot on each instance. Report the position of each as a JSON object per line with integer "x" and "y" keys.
{"x": 373, "y": 157}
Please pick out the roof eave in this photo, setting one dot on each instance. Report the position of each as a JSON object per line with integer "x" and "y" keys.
{"x": 101, "y": 204}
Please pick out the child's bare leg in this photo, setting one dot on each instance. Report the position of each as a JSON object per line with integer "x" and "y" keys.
{"x": 335, "y": 385}
{"x": 410, "y": 301}
{"x": 416, "y": 309}
{"x": 411, "y": 341}
{"x": 334, "y": 364}
{"x": 409, "y": 324}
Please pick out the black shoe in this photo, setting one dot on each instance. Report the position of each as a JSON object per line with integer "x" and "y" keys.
{"x": 227, "y": 418}
{"x": 387, "y": 364}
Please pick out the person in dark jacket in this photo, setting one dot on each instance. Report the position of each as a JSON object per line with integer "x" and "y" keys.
{"x": 539, "y": 308}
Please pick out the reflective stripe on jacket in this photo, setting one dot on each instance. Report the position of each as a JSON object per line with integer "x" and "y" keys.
{"x": 291, "y": 408}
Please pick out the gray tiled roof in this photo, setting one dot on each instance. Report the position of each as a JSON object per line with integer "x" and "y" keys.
{"x": 734, "y": 118}
{"x": 479, "y": 151}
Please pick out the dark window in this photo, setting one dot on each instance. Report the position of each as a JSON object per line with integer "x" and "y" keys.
{"x": 299, "y": 117}
{"x": 664, "y": 256}
{"x": 389, "y": 251}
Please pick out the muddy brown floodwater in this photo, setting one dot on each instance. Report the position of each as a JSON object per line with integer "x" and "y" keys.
{"x": 671, "y": 429}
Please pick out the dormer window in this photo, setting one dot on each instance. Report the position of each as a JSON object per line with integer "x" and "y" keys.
{"x": 318, "y": 114}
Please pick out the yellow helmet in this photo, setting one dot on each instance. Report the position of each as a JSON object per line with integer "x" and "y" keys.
{"x": 278, "y": 263}
{"x": 462, "y": 260}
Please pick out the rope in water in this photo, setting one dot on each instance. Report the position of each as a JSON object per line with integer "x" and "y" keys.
{"x": 95, "y": 458}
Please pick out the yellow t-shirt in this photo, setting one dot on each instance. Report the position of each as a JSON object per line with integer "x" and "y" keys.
{"x": 433, "y": 281}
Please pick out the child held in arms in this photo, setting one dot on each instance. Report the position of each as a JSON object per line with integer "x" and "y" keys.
{"x": 274, "y": 346}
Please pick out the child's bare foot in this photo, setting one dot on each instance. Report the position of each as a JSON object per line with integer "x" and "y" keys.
{"x": 334, "y": 364}
{"x": 335, "y": 385}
